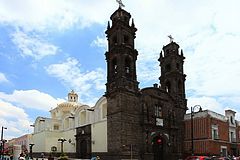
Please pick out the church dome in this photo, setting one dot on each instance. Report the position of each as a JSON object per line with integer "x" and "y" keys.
{"x": 69, "y": 105}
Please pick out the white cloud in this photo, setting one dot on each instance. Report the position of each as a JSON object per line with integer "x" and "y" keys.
{"x": 206, "y": 103}
{"x": 31, "y": 99}
{"x": 33, "y": 46}
{"x": 15, "y": 119}
{"x": 84, "y": 82}
{"x": 55, "y": 14}
{"x": 215, "y": 104}
{"x": 208, "y": 32}
{"x": 213, "y": 69}
{"x": 100, "y": 42}
{"x": 3, "y": 78}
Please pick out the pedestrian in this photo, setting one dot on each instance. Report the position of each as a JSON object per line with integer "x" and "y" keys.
{"x": 21, "y": 157}
{"x": 95, "y": 158}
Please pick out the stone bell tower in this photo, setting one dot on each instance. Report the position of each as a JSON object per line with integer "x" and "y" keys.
{"x": 123, "y": 114}
{"x": 172, "y": 77}
{"x": 172, "y": 80}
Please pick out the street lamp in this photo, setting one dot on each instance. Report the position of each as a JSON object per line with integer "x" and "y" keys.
{"x": 2, "y": 143}
{"x": 61, "y": 140}
{"x": 30, "y": 149}
{"x": 192, "y": 114}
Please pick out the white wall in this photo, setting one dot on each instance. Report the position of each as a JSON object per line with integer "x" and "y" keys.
{"x": 44, "y": 141}
{"x": 69, "y": 147}
{"x": 99, "y": 136}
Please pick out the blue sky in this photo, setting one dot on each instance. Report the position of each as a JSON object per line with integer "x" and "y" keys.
{"x": 48, "y": 47}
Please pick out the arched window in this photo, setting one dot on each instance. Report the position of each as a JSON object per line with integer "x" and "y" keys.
{"x": 114, "y": 40}
{"x": 83, "y": 117}
{"x": 178, "y": 66}
{"x": 114, "y": 65}
{"x": 125, "y": 39}
{"x": 104, "y": 111}
{"x": 128, "y": 66}
{"x": 168, "y": 67}
{"x": 66, "y": 123}
{"x": 168, "y": 86}
{"x": 180, "y": 86}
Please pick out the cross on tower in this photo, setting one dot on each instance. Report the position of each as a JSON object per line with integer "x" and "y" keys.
{"x": 120, "y": 3}
{"x": 171, "y": 38}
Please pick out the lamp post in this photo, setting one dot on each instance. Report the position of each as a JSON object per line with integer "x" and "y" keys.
{"x": 192, "y": 114}
{"x": 2, "y": 143}
{"x": 30, "y": 150}
{"x": 61, "y": 140}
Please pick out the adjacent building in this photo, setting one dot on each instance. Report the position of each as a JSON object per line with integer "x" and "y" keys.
{"x": 213, "y": 133}
{"x": 69, "y": 120}
{"x": 18, "y": 145}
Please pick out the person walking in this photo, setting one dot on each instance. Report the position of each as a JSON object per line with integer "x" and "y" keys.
{"x": 21, "y": 157}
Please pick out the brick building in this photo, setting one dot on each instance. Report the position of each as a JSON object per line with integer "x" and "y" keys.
{"x": 213, "y": 133}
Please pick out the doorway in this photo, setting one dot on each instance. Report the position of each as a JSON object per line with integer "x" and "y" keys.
{"x": 158, "y": 147}
{"x": 83, "y": 149}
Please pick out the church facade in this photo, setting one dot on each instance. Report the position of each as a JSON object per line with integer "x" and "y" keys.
{"x": 128, "y": 122}
{"x": 142, "y": 123}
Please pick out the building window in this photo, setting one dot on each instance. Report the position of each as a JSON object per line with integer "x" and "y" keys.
{"x": 104, "y": 111}
{"x": 239, "y": 134}
{"x": 83, "y": 117}
{"x": 223, "y": 151}
{"x": 178, "y": 66}
{"x": 56, "y": 127}
{"x": 114, "y": 40}
{"x": 158, "y": 111}
{"x": 126, "y": 39}
{"x": 232, "y": 136}
{"x": 114, "y": 65}
{"x": 127, "y": 66}
{"x": 231, "y": 120}
{"x": 168, "y": 67}
{"x": 180, "y": 86}
{"x": 66, "y": 123}
{"x": 215, "y": 132}
{"x": 168, "y": 86}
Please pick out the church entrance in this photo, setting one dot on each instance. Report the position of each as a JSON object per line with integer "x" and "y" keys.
{"x": 83, "y": 141}
{"x": 158, "y": 147}
{"x": 83, "y": 149}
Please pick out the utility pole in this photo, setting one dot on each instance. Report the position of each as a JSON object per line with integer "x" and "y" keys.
{"x": 2, "y": 143}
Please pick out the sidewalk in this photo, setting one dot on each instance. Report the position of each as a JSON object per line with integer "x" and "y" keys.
{"x": 55, "y": 158}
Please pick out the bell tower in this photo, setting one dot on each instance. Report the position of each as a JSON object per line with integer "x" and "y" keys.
{"x": 72, "y": 96}
{"x": 121, "y": 56}
{"x": 122, "y": 92}
{"x": 172, "y": 77}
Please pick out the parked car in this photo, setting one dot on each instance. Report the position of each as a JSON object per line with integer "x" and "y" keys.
{"x": 220, "y": 158}
{"x": 197, "y": 158}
